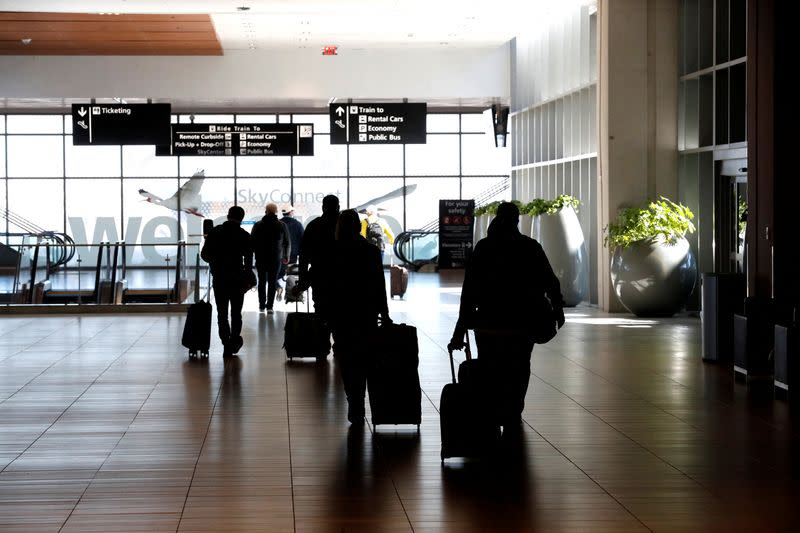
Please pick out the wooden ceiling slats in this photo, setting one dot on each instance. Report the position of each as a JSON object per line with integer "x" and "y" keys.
{"x": 107, "y": 36}
{"x": 88, "y": 34}
{"x": 87, "y": 17}
{"x": 106, "y": 25}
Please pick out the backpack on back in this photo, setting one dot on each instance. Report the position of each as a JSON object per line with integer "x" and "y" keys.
{"x": 375, "y": 234}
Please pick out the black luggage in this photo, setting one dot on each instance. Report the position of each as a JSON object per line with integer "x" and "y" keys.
{"x": 306, "y": 335}
{"x": 395, "y": 396}
{"x": 197, "y": 329}
{"x": 468, "y": 429}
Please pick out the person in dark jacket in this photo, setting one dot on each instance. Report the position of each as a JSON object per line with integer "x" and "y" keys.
{"x": 505, "y": 275}
{"x": 227, "y": 249}
{"x": 295, "y": 228}
{"x": 316, "y": 254}
{"x": 360, "y": 296}
{"x": 272, "y": 247}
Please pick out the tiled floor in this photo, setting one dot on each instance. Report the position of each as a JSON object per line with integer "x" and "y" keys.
{"x": 106, "y": 426}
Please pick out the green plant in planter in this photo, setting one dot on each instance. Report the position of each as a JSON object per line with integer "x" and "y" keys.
{"x": 539, "y": 206}
{"x": 662, "y": 218}
{"x": 488, "y": 209}
{"x": 741, "y": 213}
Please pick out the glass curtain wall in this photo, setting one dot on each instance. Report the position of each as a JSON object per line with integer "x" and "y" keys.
{"x": 113, "y": 193}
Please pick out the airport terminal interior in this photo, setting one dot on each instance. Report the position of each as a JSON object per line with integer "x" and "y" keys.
{"x": 645, "y": 143}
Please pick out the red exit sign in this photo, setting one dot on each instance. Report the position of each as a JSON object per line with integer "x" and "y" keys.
{"x": 330, "y": 50}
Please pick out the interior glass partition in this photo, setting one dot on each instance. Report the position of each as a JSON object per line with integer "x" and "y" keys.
{"x": 129, "y": 195}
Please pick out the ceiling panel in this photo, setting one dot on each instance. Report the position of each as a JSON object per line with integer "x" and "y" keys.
{"x": 93, "y": 34}
{"x": 243, "y": 24}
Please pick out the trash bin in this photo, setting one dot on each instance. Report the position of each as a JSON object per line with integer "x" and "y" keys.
{"x": 722, "y": 296}
{"x": 787, "y": 367}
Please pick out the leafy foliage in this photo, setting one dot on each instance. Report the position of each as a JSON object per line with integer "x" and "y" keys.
{"x": 742, "y": 215}
{"x": 662, "y": 218}
{"x": 488, "y": 209}
{"x": 539, "y": 206}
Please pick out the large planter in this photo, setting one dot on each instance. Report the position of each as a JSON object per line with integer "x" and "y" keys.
{"x": 525, "y": 224}
{"x": 481, "y": 226}
{"x": 652, "y": 278}
{"x": 561, "y": 236}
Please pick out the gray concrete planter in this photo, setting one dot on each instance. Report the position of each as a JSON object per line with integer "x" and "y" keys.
{"x": 561, "y": 236}
{"x": 481, "y": 226}
{"x": 526, "y": 225}
{"x": 652, "y": 278}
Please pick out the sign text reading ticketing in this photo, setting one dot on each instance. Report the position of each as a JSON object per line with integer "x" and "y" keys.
{"x": 105, "y": 124}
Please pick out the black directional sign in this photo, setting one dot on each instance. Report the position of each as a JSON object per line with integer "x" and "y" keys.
{"x": 361, "y": 123}
{"x": 104, "y": 124}
{"x": 241, "y": 139}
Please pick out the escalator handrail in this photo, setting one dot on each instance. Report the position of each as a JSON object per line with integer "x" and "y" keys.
{"x": 403, "y": 238}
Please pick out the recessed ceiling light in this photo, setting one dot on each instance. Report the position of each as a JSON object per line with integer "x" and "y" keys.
{"x": 26, "y": 41}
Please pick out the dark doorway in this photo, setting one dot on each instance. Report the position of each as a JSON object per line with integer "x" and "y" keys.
{"x": 730, "y": 216}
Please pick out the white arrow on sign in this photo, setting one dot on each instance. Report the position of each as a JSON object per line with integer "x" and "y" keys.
{"x": 339, "y": 111}
{"x": 82, "y": 112}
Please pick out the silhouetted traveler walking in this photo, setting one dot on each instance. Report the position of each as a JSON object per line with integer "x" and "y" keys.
{"x": 360, "y": 296}
{"x": 505, "y": 275}
{"x": 227, "y": 249}
{"x": 316, "y": 256}
{"x": 295, "y": 228}
{"x": 272, "y": 248}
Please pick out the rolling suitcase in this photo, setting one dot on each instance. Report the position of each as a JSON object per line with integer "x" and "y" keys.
{"x": 468, "y": 429}
{"x": 306, "y": 335}
{"x": 398, "y": 281}
{"x": 197, "y": 328}
{"x": 395, "y": 396}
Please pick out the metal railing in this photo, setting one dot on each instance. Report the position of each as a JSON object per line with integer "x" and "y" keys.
{"x": 35, "y": 273}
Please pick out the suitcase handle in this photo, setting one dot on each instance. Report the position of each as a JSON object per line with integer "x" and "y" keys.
{"x": 467, "y": 352}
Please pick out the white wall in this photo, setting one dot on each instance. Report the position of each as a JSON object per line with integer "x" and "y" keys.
{"x": 417, "y": 74}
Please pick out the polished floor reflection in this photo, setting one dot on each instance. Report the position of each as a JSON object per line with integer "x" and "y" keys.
{"x": 106, "y": 426}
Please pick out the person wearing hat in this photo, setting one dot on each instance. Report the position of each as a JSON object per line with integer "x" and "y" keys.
{"x": 229, "y": 253}
{"x": 375, "y": 230}
{"x": 295, "y": 229}
{"x": 505, "y": 274}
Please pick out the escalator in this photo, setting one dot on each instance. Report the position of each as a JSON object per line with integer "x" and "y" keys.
{"x": 420, "y": 247}
{"x": 63, "y": 244}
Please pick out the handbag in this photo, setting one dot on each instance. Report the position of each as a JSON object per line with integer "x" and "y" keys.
{"x": 248, "y": 280}
{"x": 545, "y": 325}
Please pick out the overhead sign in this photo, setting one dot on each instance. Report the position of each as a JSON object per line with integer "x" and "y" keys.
{"x": 456, "y": 222}
{"x": 103, "y": 124}
{"x": 359, "y": 123}
{"x": 241, "y": 139}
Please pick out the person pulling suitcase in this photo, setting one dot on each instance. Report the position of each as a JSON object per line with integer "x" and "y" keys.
{"x": 360, "y": 300}
{"x": 506, "y": 320}
{"x": 229, "y": 253}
